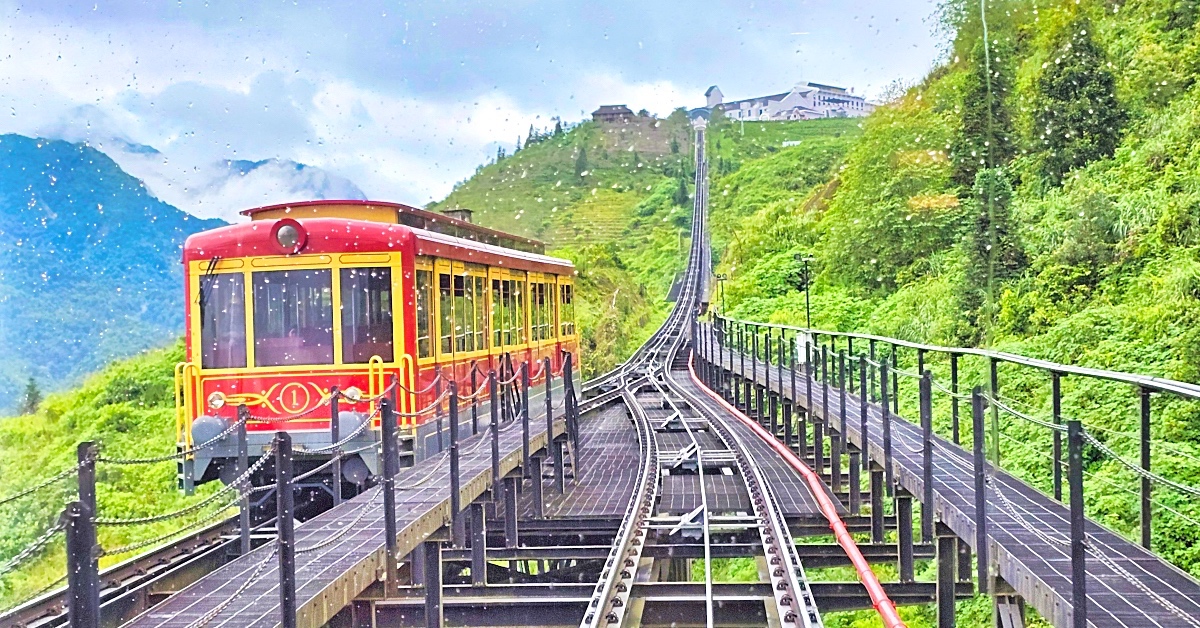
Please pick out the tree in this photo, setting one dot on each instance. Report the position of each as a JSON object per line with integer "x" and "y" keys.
{"x": 518, "y": 148}
{"x": 581, "y": 164}
{"x": 558, "y": 127}
{"x": 674, "y": 146}
{"x": 995, "y": 253}
{"x": 681, "y": 193}
{"x": 31, "y": 399}
{"x": 1078, "y": 118}
{"x": 985, "y": 138}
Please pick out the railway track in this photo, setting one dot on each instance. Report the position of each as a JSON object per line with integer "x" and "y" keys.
{"x": 697, "y": 482}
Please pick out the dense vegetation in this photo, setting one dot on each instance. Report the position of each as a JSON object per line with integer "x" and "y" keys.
{"x": 89, "y": 264}
{"x": 613, "y": 198}
{"x": 1037, "y": 195}
{"x": 129, "y": 409}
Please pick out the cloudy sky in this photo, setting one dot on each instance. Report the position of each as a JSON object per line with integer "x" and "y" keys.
{"x": 405, "y": 98}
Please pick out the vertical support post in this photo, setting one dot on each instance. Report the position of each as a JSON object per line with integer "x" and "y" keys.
{"x": 779, "y": 367}
{"x": 863, "y": 413}
{"x": 927, "y": 508}
{"x": 954, "y": 427}
{"x": 793, "y": 398}
{"x": 387, "y": 423}
{"x": 1147, "y": 512}
{"x": 887, "y": 423}
{"x": 760, "y": 413}
{"x": 285, "y": 524}
{"x": 494, "y": 428}
{"x": 243, "y": 465}
{"x": 1078, "y": 532}
{"x": 855, "y": 484}
{"x": 876, "y": 505}
{"x": 773, "y": 411}
{"x": 478, "y": 545}
{"x": 510, "y": 513}
{"x": 535, "y": 481}
{"x": 946, "y": 558}
{"x": 904, "y": 533}
{"x": 456, "y": 522}
{"x": 83, "y": 573}
{"x": 981, "y": 521}
{"x": 432, "y": 557}
{"x": 1056, "y": 409}
{"x": 842, "y": 393}
{"x": 825, "y": 384}
{"x": 920, "y": 360}
{"x": 754, "y": 357}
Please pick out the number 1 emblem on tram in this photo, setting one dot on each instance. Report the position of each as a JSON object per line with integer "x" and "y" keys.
{"x": 318, "y": 304}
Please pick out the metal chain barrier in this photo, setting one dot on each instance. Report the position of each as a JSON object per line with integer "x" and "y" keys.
{"x": 33, "y": 548}
{"x": 245, "y": 477}
{"x": 1021, "y": 415}
{"x": 179, "y": 454}
{"x": 125, "y": 549}
{"x": 61, "y": 475}
{"x": 1150, "y": 475}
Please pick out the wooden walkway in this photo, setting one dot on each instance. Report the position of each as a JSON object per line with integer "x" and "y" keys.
{"x": 1128, "y": 586}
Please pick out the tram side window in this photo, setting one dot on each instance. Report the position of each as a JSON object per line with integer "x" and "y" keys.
{"x": 541, "y": 312}
{"x": 464, "y": 313}
{"x": 566, "y": 309}
{"x": 293, "y": 317}
{"x": 516, "y": 320}
{"x": 366, "y": 314}
{"x": 223, "y": 321}
{"x": 481, "y": 317}
{"x": 446, "y": 326}
{"x": 424, "y": 313}
{"x": 499, "y": 297}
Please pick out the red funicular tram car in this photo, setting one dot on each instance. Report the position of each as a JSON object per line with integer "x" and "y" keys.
{"x": 309, "y": 296}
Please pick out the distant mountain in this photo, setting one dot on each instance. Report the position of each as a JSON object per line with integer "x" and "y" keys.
{"x": 89, "y": 262}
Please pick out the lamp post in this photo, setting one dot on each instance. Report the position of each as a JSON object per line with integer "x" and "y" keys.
{"x": 805, "y": 281}
{"x": 721, "y": 277}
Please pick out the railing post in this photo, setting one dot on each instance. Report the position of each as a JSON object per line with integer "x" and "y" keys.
{"x": 387, "y": 424}
{"x": 779, "y": 367}
{"x": 83, "y": 578}
{"x": 525, "y": 453}
{"x": 572, "y": 411}
{"x": 877, "y": 490}
{"x": 994, "y": 392}
{"x": 904, "y": 535}
{"x": 887, "y": 424}
{"x": 335, "y": 435}
{"x": 763, "y": 411}
{"x": 1078, "y": 532}
{"x": 981, "y": 521}
{"x": 494, "y": 428}
{"x": 1056, "y": 409}
{"x": 83, "y": 600}
{"x": 441, "y": 425}
{"x": 1147, "y": 513}
{"x": 842, "y": 393}
{"x": 895, "y": 379}
{"x": 553, "y": 447}
{"x": 863, "y": 413}
{"x": 871, "y": 352}
{"x": 789, "y": 410}
{"x": 927, "y": 507}
{"x": 954, "y": 427}
{"x": 285, "y": 524}
{"x": 456, "y": 522}
{"x": 243, "y": 465}
{"x": 474, "y": 400}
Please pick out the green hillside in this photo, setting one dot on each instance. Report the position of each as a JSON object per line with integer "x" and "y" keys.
{"x": 1057, "y": 218}
{"x": 613, "y": 198}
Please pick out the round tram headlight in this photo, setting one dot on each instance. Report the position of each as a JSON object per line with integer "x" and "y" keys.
{"x": 216, "y": 401}
{"x": 352, "y": 394}
{"x": 289, "y": 236}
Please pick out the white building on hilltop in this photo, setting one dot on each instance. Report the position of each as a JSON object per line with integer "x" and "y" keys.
{"x": 806, "y": 101}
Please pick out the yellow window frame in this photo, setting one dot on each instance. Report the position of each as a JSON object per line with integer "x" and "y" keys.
{"x": 335, "y": 263}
